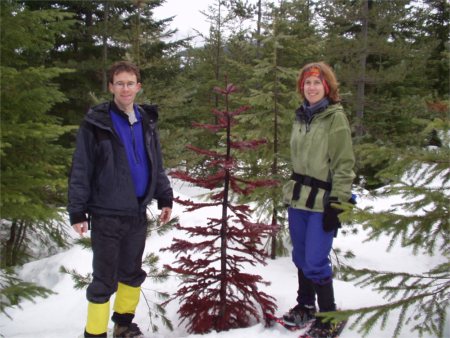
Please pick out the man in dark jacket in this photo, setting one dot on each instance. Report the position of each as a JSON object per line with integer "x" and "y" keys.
{"x": 117, "y": 171}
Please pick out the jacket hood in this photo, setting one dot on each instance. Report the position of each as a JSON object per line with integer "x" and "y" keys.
{"x": 99, "y": 114}
{"x": 151, "y": 110}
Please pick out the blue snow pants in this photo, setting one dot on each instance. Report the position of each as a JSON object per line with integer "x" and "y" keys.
{"x": 311, "y": 244}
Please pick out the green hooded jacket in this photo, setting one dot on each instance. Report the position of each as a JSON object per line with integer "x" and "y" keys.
{"x": 322, "y": 148}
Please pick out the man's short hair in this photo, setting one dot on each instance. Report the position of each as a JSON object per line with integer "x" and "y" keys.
{"x": 123, "y": 66}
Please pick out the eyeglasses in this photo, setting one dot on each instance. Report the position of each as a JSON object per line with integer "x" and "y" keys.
{"x": 122, "y": 85}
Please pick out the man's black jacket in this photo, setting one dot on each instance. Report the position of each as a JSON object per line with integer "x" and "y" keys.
{"x": 100, "y": 179}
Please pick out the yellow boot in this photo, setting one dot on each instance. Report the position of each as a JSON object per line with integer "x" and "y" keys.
{"x": 97, "y": 318}
{"x": 127, "y": 299}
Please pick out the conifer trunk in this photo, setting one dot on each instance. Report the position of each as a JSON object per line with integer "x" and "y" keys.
{"x": 274, "y": 170}
{"x": 105, "y": 47}
{"x": 223, "y": 256}
{"x": 273, "y": 249}
{"x": 14, "y": 244}
{"x": 258, "y": 31}
{"x": 224, "y": 228}
{"x": 218, "y": 49}
{"x": 360, "y": 92}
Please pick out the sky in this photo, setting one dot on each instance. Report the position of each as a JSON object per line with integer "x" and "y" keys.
{"x": 187, "y": 16}
{"x": 63, "y": 314}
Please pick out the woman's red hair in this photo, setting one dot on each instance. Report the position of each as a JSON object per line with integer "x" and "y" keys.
{"x": 326, "y": 74}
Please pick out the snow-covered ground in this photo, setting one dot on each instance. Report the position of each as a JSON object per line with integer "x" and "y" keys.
{"x": 63, "y": 314}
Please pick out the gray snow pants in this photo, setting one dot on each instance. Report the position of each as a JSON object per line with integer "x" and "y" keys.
{"x": 118, "y": 245}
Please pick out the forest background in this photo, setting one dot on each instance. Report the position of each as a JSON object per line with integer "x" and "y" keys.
{"x": 391, "y": 59}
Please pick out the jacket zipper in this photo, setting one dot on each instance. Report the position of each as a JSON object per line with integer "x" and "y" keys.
{"x": 133, "y": 141}
{"x": 308, "y": 124}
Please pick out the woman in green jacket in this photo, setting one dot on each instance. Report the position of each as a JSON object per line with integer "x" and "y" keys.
{"x": 322, "y": 162}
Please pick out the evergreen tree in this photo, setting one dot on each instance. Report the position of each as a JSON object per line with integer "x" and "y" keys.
{"x": 286, "y": 31}
{"x": 379, "y": 53}
{"x": 216, "y": 293}
{"x": 367, "y": 45}
{"x": 421, "y": 176}
{"x": 436, "y": 27}
{"x": 395, "y": 52}
{"x": 105, "y": 32}
{"x": 88, "y": 48}
{"x": 33, "y": 164}
{"x": 218, "y": 16}
{"x": 200, "y": 69}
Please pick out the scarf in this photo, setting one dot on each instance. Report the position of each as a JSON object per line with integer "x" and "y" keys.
{"x": 306, "y": 111}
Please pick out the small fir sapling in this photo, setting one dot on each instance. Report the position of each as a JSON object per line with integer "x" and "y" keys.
{"x": 215, "y": 292}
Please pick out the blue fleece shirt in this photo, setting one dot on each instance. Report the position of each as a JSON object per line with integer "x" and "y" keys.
{"x": 132, "y": 137}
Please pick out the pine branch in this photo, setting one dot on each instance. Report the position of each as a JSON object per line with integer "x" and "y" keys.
{"x": 419, "y": 183}
{"x": 404, "y": 291}
{"x": 161, "y": 229}
{"x": 13, "y": 291}
{"x": 81, "y": 281}
{"x": 84, "y": 242}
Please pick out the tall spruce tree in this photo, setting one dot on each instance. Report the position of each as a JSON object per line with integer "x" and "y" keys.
{"x": 436, "y": 27}
{"x": 201, "y": 68}
{"x": 395, "y": 96}
{"x": 105, "y": 32}
{"x": 33, "y": 164}
{"x": 215, "y": 292}
{"x": 286, "y": 31}
{"x": 375, "y": 48}
{"x": 367, "y": 45}
{"x": 89, "y": 48}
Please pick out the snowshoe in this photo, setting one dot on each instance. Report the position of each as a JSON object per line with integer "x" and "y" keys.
{"x": 320, "y": 329}
{"x": 272, "y": 319}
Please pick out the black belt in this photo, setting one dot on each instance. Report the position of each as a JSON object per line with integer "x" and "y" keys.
{"x": 312, "y": 182}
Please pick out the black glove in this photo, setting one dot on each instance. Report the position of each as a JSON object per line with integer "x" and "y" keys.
{"x": 330, "y": 215}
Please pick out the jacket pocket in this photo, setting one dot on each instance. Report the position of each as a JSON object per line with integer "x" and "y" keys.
{"x": 288, "y": 190}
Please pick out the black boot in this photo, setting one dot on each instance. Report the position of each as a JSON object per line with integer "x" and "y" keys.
{"x": 128, "y": 331}
{"x": 300, "y": 315}
{"x": 305, "y": 293}
{"x": 325, "y": 298}
{"x": 123, "y": 326}
{"x": 89, "y": 335}
{"x": 305, "y": 309}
